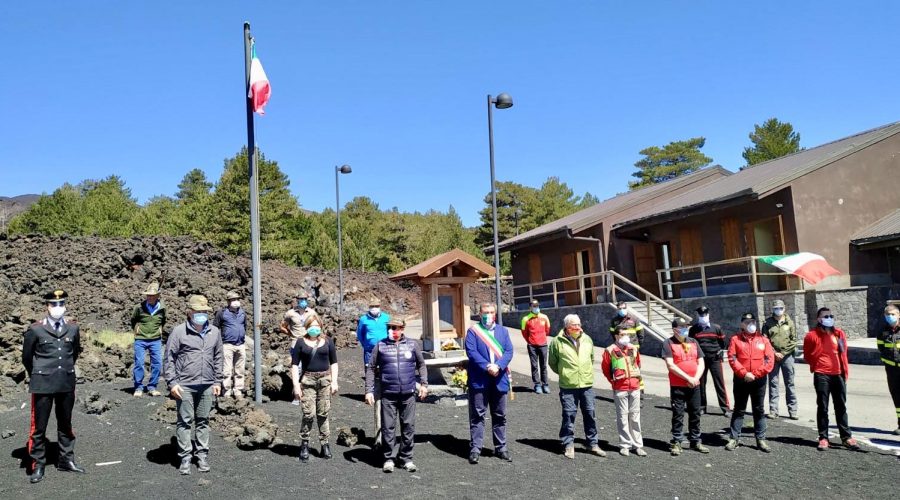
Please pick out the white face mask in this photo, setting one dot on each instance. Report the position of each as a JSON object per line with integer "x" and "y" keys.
{"x": 235, "y": 304}
{"x": 374, "y": 311}
{"x": 704, "y": 319}
{"x": 751, "y": 328}
{"x": 57, "y": 312}
{"x": 624, "y": 340}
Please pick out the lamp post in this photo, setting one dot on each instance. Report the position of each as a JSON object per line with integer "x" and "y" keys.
{"x": 502, "y": 101}
{"x": 343, "y": 169}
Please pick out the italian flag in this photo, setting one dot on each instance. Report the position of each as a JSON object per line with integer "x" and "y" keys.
{"x": 259, "y": 83}
{"x": 809, "y": 266}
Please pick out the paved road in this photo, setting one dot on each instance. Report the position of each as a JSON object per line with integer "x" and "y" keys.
{"x": 871, "y": 409}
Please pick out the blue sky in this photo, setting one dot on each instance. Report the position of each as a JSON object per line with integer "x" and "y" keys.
{"x": 397, "y": 89}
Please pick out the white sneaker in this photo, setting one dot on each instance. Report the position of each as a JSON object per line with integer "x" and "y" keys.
{"x": 410, "y": 467}
{"x": 295, "y": 402}
{"x": 388, "y": 466}
{"x": 138, "y": 393}
{"x": 624, "y": 452}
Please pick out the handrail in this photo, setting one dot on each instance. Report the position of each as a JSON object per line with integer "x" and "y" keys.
{"x": 559, "y": 280}
{"x": 752, "y": 275}
{"x": 648, "y": 294}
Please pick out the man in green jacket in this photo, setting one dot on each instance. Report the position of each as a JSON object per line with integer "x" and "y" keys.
{"x": 783, "y": 337}
{"x": 147, "y": 322}
{"x": 572, "y": 358}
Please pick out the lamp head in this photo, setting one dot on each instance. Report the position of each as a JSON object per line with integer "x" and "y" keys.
{"x": 503, "y": 101}
{"x": 345, "y": 169}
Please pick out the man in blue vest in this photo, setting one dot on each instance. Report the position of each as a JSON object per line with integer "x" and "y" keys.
{"x": 398, "y": 363}
{"x": 232, "y": 322}
{"x": 490, "y": 351}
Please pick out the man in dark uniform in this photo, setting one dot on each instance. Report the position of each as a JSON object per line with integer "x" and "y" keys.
{"x": 712, "y": 342}
{"x": 49, "y": 351}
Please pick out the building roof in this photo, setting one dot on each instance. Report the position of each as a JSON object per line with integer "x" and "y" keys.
{"x": 764, "y": 178}
{"x": 886, "y": 228}
{"x": 591, "y": 216}
{"x": 438, "y": 262}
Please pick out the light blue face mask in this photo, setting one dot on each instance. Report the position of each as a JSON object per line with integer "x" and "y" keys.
{"x": 314, "y": 331}
{"x": 621, "y": 313}
{"x": 535, "y": 310}
{"x": 303, "y": 304}
{"x": 828, "y": 322}
{"x": 891, "y": 319}
{"x": 200, "y": 318}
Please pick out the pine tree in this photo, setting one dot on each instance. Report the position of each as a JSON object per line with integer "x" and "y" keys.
{"x": 773, "y": 139}
{"x": 668, "y": 162}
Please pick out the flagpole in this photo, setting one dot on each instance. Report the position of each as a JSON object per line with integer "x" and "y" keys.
{"x": 254, "y": 221}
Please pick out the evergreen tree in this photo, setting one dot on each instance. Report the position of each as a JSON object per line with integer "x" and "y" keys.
{"x": 773, "y": 139}
{"x": 668, "y": 162}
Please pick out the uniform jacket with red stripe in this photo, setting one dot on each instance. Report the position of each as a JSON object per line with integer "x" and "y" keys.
{"x": 750, "y": 354}
{"x": 49, "y": 356}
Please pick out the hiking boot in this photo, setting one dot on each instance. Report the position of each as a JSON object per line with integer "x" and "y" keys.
{"x": 504, "y": 455}
{"x": 624, "y": 452}
{"x": 410, "y": 467}
{"x": 596, "y": 450}
{"x": 731, "y": 445}
{"x": 640, "y": 452}
{"x": 326, "y": 451}
{"x": 388, "y": 466}
{"x": 851, "y": 444}
{"x": 138, "y": 393}
{"x": 763, "y": 445}
{"x": 699, "y": 447}
{"x": 202, "y": 463}
{"x": 675, "y": 450}
{"x": 823, "y": 444}
{"x": 185, "y": 468}
{"x": 154, "y": 393}
{"x": 569, "y": 452}
{"x": 304, "y": 451}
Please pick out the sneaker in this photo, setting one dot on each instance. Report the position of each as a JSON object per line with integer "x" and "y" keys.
{"x": 640, "y": 452}
{"x": 624, "y": 452}
{"x": 699, "y": 447}
{"x": 388, "y": 466}
{"x": 138, "y": 393}
{"x": 731, "y": 445}
{"x": 295, "y": 402}
{"x": 726, "y": 412}
{"x": 185, "y": 468}
{"x": 823, "y": 444}
{"x": 202, "y": 463}
{"x": 154, "y": 393}
{"x": 763, "y": 445}
{"x": 410, "y": 467}
{"x": 772, "y": 415}
{"x": 569, "y": 452}
{"x": 675, "y": 450}
{"x": 793, "y": 416}
{"x": 547, "y": 391}
{"x": 538, "y": 389}
{"x": 851, "y": 444}
{"x": 596, "y": 450}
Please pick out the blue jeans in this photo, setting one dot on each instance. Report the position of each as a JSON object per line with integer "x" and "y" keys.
{"x": 155, "y": 349}
{"x": 786, "y": 367}
{"x": 571, "y": 399}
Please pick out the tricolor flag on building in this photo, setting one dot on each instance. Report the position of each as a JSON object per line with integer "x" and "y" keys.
{"x": 811, "y": 267}
{"x": 259, "y": 83}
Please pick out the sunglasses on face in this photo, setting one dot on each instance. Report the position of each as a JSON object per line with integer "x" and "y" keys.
{"x": 828, "y": 316}
{"x": 57, "y": 303}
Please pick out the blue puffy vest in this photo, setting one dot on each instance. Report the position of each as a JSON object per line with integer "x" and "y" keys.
{"x": 397, "y": 366}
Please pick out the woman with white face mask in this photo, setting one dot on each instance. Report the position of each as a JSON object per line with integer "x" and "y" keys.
{"x": 622, "y": 367}
{"x": 752, "y": 358}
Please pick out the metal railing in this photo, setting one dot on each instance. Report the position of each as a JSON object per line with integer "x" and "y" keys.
{"x": 739, "y": 272}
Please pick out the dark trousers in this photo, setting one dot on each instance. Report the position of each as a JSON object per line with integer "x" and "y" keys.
{"x": 756, "y": 392}
{"x": 833, "y": 386}
{"x": 41, "y": 405}
{"x": 685, "y": 398}
{"x": 479, "y": 402}
{"x": 571, "y": 399}
{"x": 392, "y": 407}
{"x": 712, "y": 365}
{"x": 538, "y": 356}
{"x": 893, "y": 379}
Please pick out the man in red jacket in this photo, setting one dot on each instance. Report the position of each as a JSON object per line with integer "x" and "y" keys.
{"x": 535, "y": 328}
{"x": 825, "y": 350}
{"x": 751, "y": 357}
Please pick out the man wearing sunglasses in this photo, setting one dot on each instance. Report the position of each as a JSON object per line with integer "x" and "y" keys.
{"x": 825, "y": 350}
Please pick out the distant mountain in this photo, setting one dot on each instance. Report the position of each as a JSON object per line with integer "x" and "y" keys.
{"x": 12, "y": 206}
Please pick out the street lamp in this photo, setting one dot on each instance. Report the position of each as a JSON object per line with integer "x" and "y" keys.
{"x": 343, "y": 169}
{"x": 502, "y": 101}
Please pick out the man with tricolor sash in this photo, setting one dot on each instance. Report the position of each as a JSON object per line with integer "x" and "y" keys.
{"x": 889, "y": 346}
{"x": 490, "y": 351}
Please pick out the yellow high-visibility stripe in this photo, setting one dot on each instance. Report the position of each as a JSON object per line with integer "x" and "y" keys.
{"x": 888, "y": 362}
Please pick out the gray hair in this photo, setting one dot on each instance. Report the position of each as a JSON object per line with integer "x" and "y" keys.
{"x": 485, "y": 305}
{"x": 571, "y": 318}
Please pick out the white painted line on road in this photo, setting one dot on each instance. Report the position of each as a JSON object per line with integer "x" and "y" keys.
{"x": 101, "y": 464}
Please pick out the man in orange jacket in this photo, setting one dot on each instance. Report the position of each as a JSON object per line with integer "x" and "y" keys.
{"x": 535, "y": 329}
{"x": 751, "y": 358}
{"x": 825, "y": 350}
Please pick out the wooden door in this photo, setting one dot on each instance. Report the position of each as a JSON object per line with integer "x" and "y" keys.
{"x": 570, "y": 296}
{"x": 766, "y": 237}
{"x": 645, "y": 266}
